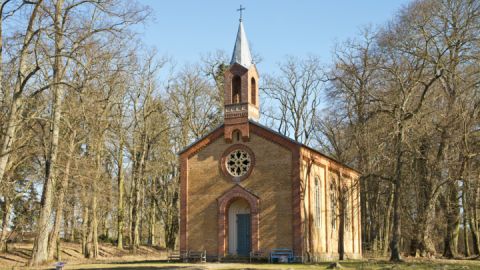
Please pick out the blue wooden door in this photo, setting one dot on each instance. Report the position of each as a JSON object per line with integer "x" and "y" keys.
{"x": 243, "y": 234}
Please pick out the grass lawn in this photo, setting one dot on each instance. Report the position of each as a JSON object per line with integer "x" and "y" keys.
{"x": 150, "y": 259}
{"x": 153, "y": 265}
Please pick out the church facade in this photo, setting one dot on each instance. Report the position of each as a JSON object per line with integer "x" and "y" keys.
{"x": 246, "y": 188}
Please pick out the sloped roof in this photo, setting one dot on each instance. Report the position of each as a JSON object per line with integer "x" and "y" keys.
{"x": 277, "y": 134}
{"x": 199, "y": 140}
{"x": 302, "y": 145}
{"x": 241, "y": 52}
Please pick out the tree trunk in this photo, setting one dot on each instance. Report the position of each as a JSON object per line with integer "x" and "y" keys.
{"x": 93, "y": 234}
{"x": 85, "y": 221}
{"x": 72, "y": 224}
{"x": 341, "y": 229}
{"x": 67, "y": 226}
{"x": 171, "y": 224}
{"x": 452, "y": 207}
{"x": 58, "y": 248}
{"x": 93, "y": 228}
{"x": 428, "y": 246}
{"x": 6, "y": 208}
{"x": 171, "y": 230}
{"x": 397, "y": 191}
{"x": 138, "y": 181}
{"x": 106, "y": 228}
{"x": 364, "y": 216}
{"x": 121, "y": 191}
{"x": 422, "y": 244}
{"x": 466, "y": 250}
{"x": 153, "y": 212}
{"x": 473, "y": 222}
{"x": 89, "y": 253}
{"x": 453, "y": 221}
{"x": 475, "y": 240}
{"x": 130, "y": 213}
{"x": 52, "y": 243}
{"x": 136, "y": 217}
{"x": 40, "y": 246}
{"x": 142, "y": 213}
{"x": 152, "y": 223}
{"x": 387, "y": 222}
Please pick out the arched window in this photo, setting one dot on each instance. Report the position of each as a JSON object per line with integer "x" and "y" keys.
{"x": 236, "y": 87}
{"x": 254, "y": 91}
{"x": 333, "y": 202}
{"x": 318, "y": 203}
{"x": 346, "y": 209}
{"x": 236, "y": 135}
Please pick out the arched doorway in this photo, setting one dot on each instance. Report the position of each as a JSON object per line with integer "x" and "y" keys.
{"x": 239, "y": 229}
{"x": 238, "y": 205}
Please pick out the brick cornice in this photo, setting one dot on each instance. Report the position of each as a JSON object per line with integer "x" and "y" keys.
{"x": 319, "y": 158}
{"x": 270, "y": 136}
{"x": 334, "y": 166}
{"x": 202, "y": 143}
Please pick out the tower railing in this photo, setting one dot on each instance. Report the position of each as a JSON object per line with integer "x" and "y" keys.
{"x": 236, "y": 110}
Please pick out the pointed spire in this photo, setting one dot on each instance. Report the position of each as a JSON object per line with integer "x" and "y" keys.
{"x": 241, "y": 51}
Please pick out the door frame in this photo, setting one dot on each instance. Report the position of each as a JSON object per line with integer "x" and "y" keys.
{"x": 224, "y": 201}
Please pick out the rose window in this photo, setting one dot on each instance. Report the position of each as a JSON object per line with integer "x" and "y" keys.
{"x": 238, "y": 162}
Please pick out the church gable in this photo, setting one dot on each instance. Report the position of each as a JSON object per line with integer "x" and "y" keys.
{"x": 204, "y": 181}
{"x": 266, "y": 153}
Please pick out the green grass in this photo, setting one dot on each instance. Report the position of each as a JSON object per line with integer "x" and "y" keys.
{"x": 438, "y": 264}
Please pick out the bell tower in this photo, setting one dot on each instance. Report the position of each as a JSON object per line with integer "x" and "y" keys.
{"x": 241, "y": 99}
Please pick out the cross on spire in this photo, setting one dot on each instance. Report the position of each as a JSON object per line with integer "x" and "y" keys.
{"x": 241, "y": 9}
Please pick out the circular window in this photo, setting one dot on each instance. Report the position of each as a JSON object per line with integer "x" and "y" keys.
{"x": 237, "y": 162}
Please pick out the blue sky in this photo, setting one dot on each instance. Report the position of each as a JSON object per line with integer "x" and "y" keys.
{"x": 186, "y": 29}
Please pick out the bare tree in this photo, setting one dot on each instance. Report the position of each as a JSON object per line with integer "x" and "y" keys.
{"x": 24, "y": 73}
{"x": 62, "y": 26}
{"x": 296, "y": 95}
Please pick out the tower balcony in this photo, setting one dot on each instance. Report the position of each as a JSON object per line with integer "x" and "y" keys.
{"x": 236, "y": 110}
{"x": 241, "y": 111}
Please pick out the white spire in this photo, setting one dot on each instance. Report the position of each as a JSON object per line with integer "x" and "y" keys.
{"x": 241, "y": 51}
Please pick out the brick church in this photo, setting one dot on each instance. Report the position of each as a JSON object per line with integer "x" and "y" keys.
{"x": 245, "y": 187}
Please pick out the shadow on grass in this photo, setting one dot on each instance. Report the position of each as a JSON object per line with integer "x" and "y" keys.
{"x": 10, "y": 259}
{"x": 24, "y": 253}
{"x": 135, "y": 265}
{"x": 145, "y": 267}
